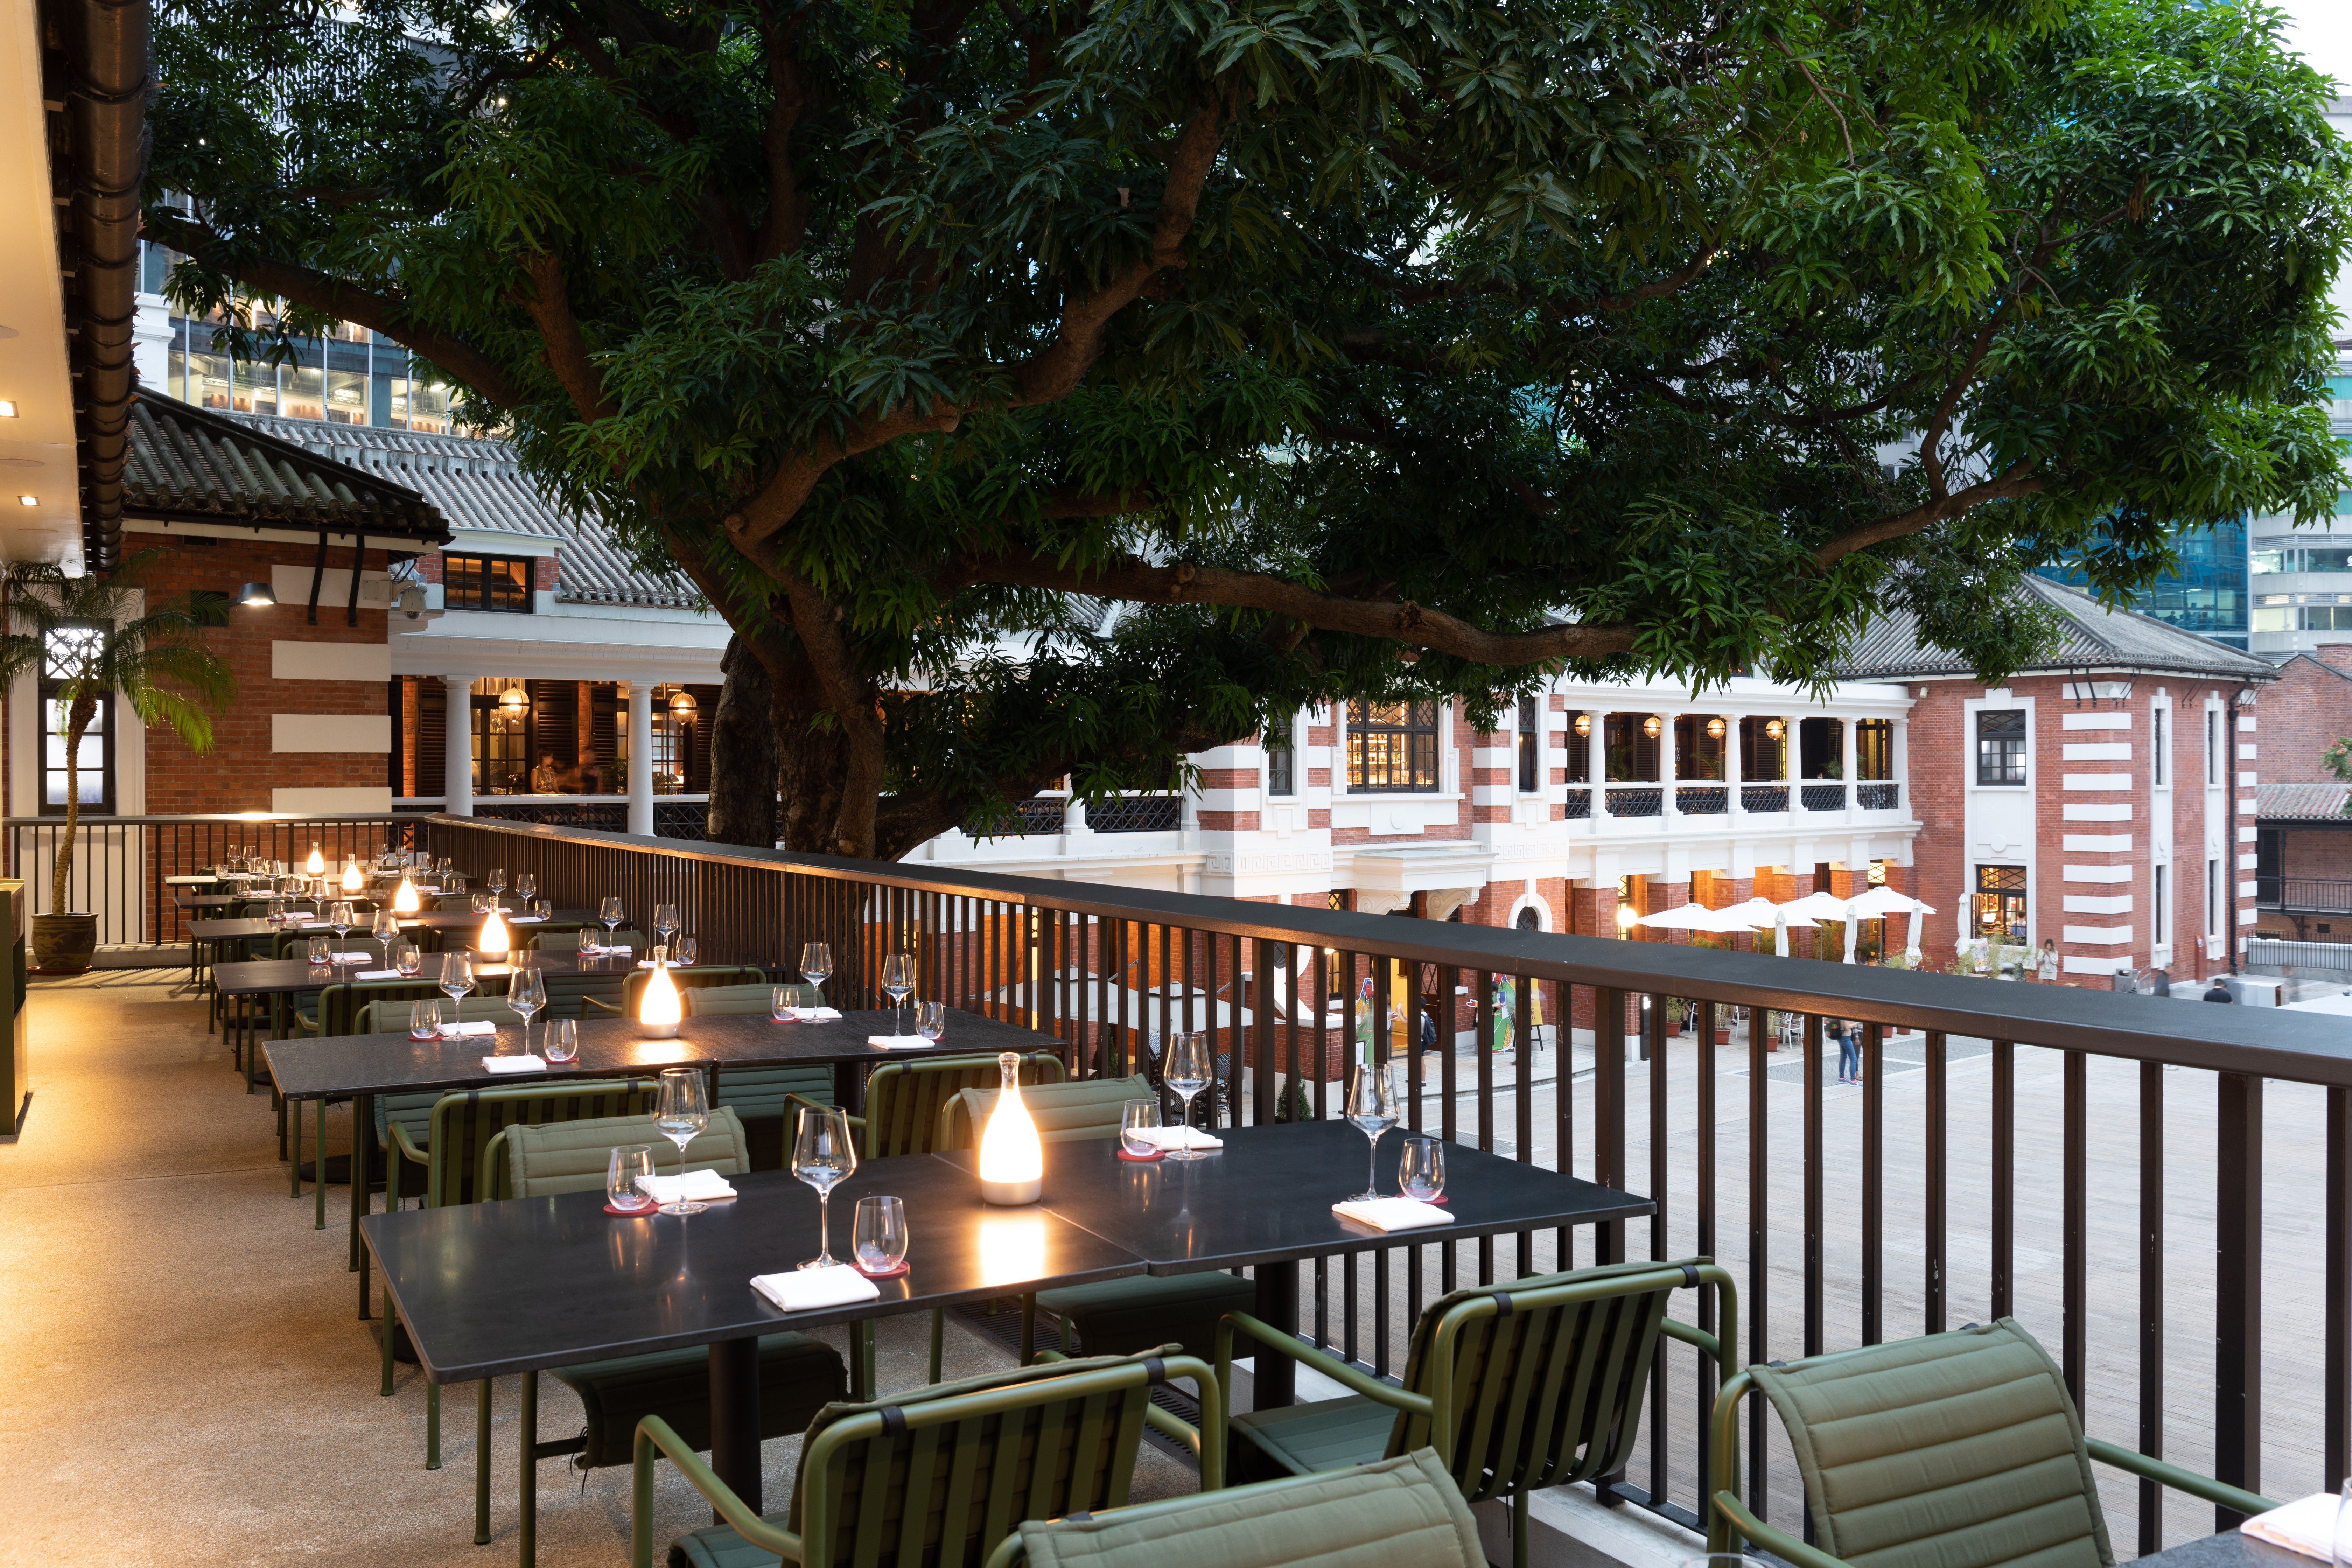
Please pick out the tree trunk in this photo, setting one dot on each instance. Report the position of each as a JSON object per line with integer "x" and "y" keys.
{"x": 743, "y": 752}
{"x": 83, "y": 708}
{"x": 812, "y": 757}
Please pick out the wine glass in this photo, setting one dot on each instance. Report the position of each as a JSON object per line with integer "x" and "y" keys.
{"x": 442, "y": 869}
{"x": 816, "y": 966}
{"x": 898, "y": 980}
{"x": 1372, "y": 1110}
{"x": 561, "y": 1040}
{"x": 932, "y": 1020}
{"x": 612, "y": 913}
{"x": 425, "y": 1020}
{"x": 1186, "y": 1071}
{"x": 687, "y": 950}
{"x": 665, "y": 921}
{"x": 385, "y": 929}
{"x": 408, "y": 958}
{"x": 629, "y": 1162}
{"x": 588, "y": 948}
{"x": 497, "y": 884}
{"x": 527, "y": 995}
{"x": 822, "y": 1156}
{"x": 1420, "y": 1169}
{"x": 878, "y": 1235}
{"x": 456, "y": 977}
{"x": 339, "y": 919}
{"x": 527, "y": 887}
{"x": 682, "y": 1114}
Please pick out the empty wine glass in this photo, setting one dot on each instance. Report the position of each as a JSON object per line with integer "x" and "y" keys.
{"x": 408, "y": 958}
{"x": 898, "y": 980}
{"x": 816, "y": 966}
{"x": 316, "y": 951}
{"x": 822, "y": 1156}
{"x": 878, "y": 1235}
{"x": 497, "y": 884}
{"x": 665, "y": 921}
{"x": 1420, "y": 1169}
{"x": 681, "y": 1115}
{"x": 425, "y": 1020}
{"x": 1186, "y": 1071}
{"x": 527, "y": 995}
{"x": 339, "y": 919}
{"x": 611, "y": 912}
{"x": 562, "y": 1039}
{"x": 932, "y": 1020}
{"x": 687, "y": 952}
{"x": 444, "y": 866}
{"x": 385, "y": 928}
{"x": 527, "y": 887}
{"x": 456, "y": 977}
{"x": 629, "y": 1162}
{"x": 1372, "y": 1110}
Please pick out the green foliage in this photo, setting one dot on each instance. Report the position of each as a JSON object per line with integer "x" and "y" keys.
{"x": 1721, "y": 329}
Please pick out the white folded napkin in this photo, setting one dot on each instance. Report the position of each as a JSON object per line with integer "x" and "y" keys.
{"x": 1174, "y": 1138}
{"x": 2306, "y": 1525}
{"x": 899, "y": 1042}
{"x": 805, "y": 1289}
{"x": 695, "y": 1186}
{"x": 810, "y": 1016}
{"x": 347, "y": 958}
{"x": 477, "y": 1026}
{"x": 604, "y": 952}
{"x": 1391, "y": 1213}
{"x": 515, "y": 1064}
{"x": 377, "y": 974}
{"x": 527, "y": 919}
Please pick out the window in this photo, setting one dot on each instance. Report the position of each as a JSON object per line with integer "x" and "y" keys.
{"x": 501, "y": 743}
{"x": 2212, "y": 745}
{"x": 1281, "y": 774}
{"x": 1873, "y": 748}
{"x": 70, "y": 649}
{"x": 2212, "y": 896}
{"x": 1530, "y": 745}
{"x": 2159, "y": 916}
{"x": 2001, "y": 903}
{"x": 1391, "y": 747}
{"x": 2155, "y": 746}
{"x": 2001, "y": 746}
{"x": 1528, "y": 919}
{"x": 486, "y": 583}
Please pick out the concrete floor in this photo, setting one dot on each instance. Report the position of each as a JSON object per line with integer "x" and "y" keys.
{"x": 186, "y": 1381}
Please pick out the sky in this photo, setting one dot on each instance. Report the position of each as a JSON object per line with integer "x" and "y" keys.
{"x": 2321, "y": 31}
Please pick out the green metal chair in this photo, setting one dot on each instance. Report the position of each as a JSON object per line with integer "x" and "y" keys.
{"x": 565, "y": 938}
{"x": 938, "y": 1475}
{"x": 581, "y": 995}
{"x": 384, "y": 1017}
{"x": 799, "y": 1374}
{"x": 1404, "y": 1512}
{"x": 1956, "y": 1450}
{"x": 759, "y": 1095}
{"x": 1536, "y": 1382}
{"x": 633, "y": 983}
{"x": 341, "y": 1004}
{"x": 455, "y": 1129}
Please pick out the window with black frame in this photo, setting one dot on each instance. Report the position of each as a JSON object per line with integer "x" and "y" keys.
{"x": 2001, "y": 746}
{"x": 1391, "y": 747}
{"x": 497, "y": 583}
{"x": 70, "y": 650}
{"x": 1530, "y": 745}
{"x": 1281, "y": 778}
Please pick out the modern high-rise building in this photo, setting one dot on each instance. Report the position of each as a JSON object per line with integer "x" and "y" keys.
{"x": 2209, "y": 594}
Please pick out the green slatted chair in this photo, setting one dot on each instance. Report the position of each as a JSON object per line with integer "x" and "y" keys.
{"x": 1405, "y": 1512}
{"x": 1111, "y": 1316}
{"x": 937, "y": 1476}
{"x": 461, "y": 903}
{"x": 571, "y": 996}
{"x": 1951, "y": 1449}
{"x": 562, "y": 936}
{"x": 759, "y": 1094}
{"x": 1536, "y": 1382}
{"x": 341, "y": 1004}
{"x": 799, "y": 1374}
{"x": 456, "y": 1128}
{"x": 632, "y": 983}
{"x": 381, "y": 1018}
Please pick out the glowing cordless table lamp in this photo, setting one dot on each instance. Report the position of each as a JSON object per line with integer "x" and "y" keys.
{"x": 317, "y": 864}
{"x": 495, "y": 942}
{"x": 660, "y": 1008}
{"x": 1011, "y": 1160}
{"x": 354, "y": 880}
{"x": 405, "y": 900}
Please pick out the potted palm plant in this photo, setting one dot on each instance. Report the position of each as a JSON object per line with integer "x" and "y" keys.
{"x": 87, "y": 637}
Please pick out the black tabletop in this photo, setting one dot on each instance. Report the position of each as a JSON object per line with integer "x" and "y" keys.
{"x": 258, "y": 976}
{"x": 525, "y": 1284}
{"x": 335, "y": 1067}
{"x": 428, "y": 919}
{"x": 1267, "y": 1196}
{"x": 2227, "y": 1550}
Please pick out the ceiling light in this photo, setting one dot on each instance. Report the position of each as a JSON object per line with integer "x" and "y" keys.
{"x": 1714, "y": 729}
{"x": 513, "y": 700}
{"x": 7, "y": 409}
{"x": 256, "y": 596}
{"x": 683, "y": 704}
{"x": 1774, "y": 728}
{"x": 1650, "y": 726}
{"x": 28, "y": 500}
{"x": 1584, "y": 723}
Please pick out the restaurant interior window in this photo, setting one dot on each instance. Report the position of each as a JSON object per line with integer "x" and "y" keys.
{"x": 1763, "y": 749}
{"x": 2155, "y": 746}
{"x": 1281, "y": 773}
{"x": 1580, "y": 748}
{"x": 2001, "y": 903}
{"x": 486, "y": 583}
{"x": 1873, "y": 748}
{"x": 1821, "y": 748}
{"x": 1702, "y": 742}
{"x": 94, "y": 780}
{"x": 1391, "y": 747}
{"x": 2001, "y": 746}
{"x": 1530, "y": 745}
{"x": 2161, "y": 936}
{"x": 502, "y": 759}
{"x": 1633, "y": 742}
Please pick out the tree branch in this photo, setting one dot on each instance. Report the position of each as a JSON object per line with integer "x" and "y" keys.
{"x": 786, "y": 224}
{"x": 2017, "y": 480}
{"x": 561, "y": 344}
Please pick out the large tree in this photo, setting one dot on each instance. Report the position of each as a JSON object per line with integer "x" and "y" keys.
{"x": 1046, "y": 386}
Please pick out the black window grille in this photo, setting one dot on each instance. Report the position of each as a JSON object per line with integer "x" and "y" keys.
{"x": 500, "y": 583}
{"x": 1281, "y": 774}
{"x": 1391, "y": 747}
{"x": 1530, "y": 746}
{"x": 2001, "y": 746}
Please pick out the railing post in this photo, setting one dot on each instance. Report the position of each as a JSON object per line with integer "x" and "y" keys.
{"x": 1609, "y": 1115}
{"x": 2238, "y": 1288}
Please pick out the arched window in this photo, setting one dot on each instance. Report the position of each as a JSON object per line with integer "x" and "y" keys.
{"x": 1528, "y": 919}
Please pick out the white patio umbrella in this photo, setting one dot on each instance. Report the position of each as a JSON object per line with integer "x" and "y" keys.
{"x": 1760, "y": 913}
{"x": 1820, "y": 908}
{"x": 1883, "y": 902}
{"x": 1690, "y": 917}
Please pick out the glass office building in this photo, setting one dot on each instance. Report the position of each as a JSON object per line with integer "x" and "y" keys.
{"x": 2209, "y": 595}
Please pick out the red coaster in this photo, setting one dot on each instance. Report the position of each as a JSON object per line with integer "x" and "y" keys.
{"x": 634, "y": 1214}
{"x": 881, "y": 1273}
{"x": 1152, "y": 1159}
{"x": 1439, "y": 1199}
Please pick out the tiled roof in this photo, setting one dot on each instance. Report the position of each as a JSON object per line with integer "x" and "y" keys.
{"x": 2300, "y": 802}
{"x": 190, "y": 464}
{"x": 2092, "y": 638}
{"x": 478, "y": 483}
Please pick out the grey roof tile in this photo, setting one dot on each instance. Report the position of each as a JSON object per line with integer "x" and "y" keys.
{"x": 2092, "y": 638}
{"x": 2300, "y": 802}
{"x": 190, "y": 464}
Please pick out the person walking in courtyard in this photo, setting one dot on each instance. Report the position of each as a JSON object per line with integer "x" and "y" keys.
{"x": 1849, "y": 1044}
{"x": 2045, "y": 968}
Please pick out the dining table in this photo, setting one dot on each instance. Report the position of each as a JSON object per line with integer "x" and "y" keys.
{"x": 324, "y": 1069}
{"x": 2230, "y": 1549}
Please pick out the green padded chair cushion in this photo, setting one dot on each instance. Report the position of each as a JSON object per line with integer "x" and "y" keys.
{"x": 726, "y": 1001}
{"x": 1064, "y": 1112}
{"x": 574, "y": 1156}
{"x": 391, "y": 1018}
{"x": 1404, "y": 1512}
{"x": 798, "y": 1377}
{"x": 1119, "y": 1316}
{"x": 1302, "y": 1439}
{"x": 1958, "y": 1450}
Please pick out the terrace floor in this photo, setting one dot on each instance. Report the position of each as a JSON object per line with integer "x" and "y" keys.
{"x": 187, "y": 1380}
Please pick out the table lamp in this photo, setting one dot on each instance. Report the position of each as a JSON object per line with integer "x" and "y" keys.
{"x": 1011, "y": 1161}
{"x": 660, "y": 1008}
{"x": 494, "y": 941}
{"x": 404, "y": 897}
{"x": 354, "y": 880}
{"x": 317, "y": 864}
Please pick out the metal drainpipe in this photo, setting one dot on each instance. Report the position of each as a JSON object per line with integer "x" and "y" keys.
{"x": 2229, "y": 784}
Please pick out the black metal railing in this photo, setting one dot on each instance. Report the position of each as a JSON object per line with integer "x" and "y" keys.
{"x": 675, "y": 815}
{"x": 1645, "y": 802}
{"x": 1961, "y": 1180}
{"x": 1137, "y": 813}
{"x": 2303, "y": 895}
{"x": 1878, "y": 796}
{"x": 1822, "y": 796}
{"x": 1764, "y": 797}
{"x": 1580, "y": 805}
{"x": 1703, "y": 800}
{"x": 121, "y": 863}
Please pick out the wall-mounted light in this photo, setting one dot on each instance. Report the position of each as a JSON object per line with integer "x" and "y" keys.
{"x": 514, "y": 700}
{"x": 256, "y": 596}
{"x": 1714, "y": 729}
{"x": 7, "y": 409}
{"x": 1775, "y": 729}
{"x": 1584, "y": 723}
{"x": 28, "y": 500}
{"x": 1651, "y": 727}
{"x": 682, "y": 705}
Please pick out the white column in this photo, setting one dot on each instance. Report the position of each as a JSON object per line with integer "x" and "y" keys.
{"x": 457, "y": 745}
{"x": 1669, "y": 765}
{"x": 641, "y": 757}
{"x": 1845, "y": 745}
{"x": 1734, "y": 765}
{"x": 1596, "y": 764}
